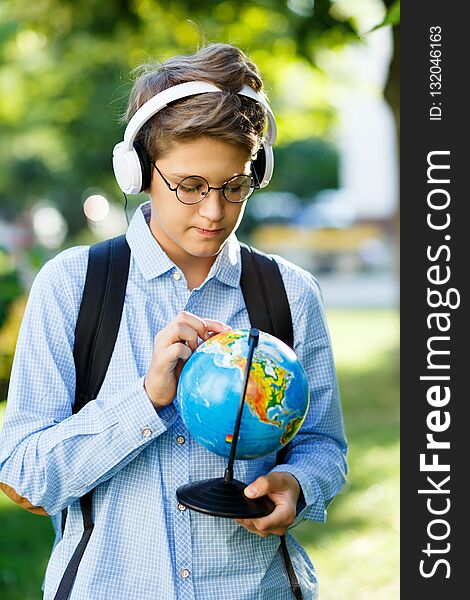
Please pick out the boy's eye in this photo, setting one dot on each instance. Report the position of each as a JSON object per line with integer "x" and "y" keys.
{"x": 192, "y": 186}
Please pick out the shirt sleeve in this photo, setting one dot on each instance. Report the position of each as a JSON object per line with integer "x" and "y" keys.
{"x": 317, "y": 454}
{"x": 48, "y": 455}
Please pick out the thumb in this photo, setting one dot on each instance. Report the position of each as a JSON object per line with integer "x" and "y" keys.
{"x": 263, "y": 485}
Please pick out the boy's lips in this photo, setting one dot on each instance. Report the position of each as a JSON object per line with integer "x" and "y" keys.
{"x": 208, "y": 232}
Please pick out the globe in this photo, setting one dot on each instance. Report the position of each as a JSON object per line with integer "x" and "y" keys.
{"x": 276, "y": 400}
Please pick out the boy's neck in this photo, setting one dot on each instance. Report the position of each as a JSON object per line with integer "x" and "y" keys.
{"x": 193, "y": 279}
{"x": 194, "y": 268}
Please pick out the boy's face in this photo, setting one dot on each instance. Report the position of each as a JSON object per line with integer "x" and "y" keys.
{"x": 198, "y": 230}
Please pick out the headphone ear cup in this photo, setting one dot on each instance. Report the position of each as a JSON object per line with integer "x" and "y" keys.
{"x": 259, "y": 164}
{"x": 263, "y": 165}
{"x": 145, "y": 165}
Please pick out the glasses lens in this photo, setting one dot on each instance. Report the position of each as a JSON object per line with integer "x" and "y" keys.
{"x": 192, "y": 190}
{"x": 238, "y": 188}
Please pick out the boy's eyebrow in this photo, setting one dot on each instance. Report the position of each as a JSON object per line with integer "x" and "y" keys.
{"x": 183, "y": 175}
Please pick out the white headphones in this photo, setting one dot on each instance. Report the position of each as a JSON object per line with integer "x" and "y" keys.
{"x": 131, "y": 164}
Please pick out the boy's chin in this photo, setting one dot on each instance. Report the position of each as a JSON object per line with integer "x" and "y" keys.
{"x": 206, "y": 250}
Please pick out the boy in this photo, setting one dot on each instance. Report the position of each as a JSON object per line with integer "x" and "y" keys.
{"x": 196, "y": 159}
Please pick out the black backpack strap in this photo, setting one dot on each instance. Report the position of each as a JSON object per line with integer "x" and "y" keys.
{"x": 265, "y": 295}
{"x": 99, "y": 316}
{"x": 96, "y": 331}
{"x": 294, "y": 582}
{"x": 266, "y": 300}
{"x": 68, "y": 577}
{"x": 269, "y": 310}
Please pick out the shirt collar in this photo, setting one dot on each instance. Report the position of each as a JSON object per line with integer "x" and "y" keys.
{"x": 153, "y": 261}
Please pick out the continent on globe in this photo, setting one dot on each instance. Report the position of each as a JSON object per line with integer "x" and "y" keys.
{"x": 277, "y": 397}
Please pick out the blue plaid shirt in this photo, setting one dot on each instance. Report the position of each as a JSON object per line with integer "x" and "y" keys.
{"x": 144, "y": 545}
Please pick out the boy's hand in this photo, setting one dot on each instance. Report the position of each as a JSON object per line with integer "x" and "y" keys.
{"x": 172, "y": 347}
{"x": 284, "y": 491}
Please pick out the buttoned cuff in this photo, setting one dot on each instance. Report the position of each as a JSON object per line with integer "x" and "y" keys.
{"x": 140, "y": 419}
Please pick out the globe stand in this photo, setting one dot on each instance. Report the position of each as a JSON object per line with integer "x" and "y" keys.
{"x": 223, "y": 496}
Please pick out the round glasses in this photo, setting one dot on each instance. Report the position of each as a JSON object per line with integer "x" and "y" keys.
{"x": 194, "y": 189}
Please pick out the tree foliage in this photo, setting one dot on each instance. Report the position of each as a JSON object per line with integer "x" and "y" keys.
{"x": 64, "y": 72}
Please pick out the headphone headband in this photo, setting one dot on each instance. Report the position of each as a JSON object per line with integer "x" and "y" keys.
{"x": 132, "y": 165}
{"x": 183, "y": 90}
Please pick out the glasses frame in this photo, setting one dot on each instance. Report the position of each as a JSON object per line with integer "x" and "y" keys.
{"x": 254, "y": 186}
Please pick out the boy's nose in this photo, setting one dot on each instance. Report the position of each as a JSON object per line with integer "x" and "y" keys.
{"x": 212, "y": 207}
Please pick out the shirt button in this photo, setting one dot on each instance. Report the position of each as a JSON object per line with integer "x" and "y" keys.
{"x": 181, "y": 507}
{"x": 180, "y": 440}
{"x": 184, "y": 573}
{"x": 176, "y": 275}
{"x": 146, "y": 432}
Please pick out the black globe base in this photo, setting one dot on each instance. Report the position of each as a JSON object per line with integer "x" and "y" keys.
{"x": 220, "y": 499}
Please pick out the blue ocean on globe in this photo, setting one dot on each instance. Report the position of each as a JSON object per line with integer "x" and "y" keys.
{"x": 276, "y": 401}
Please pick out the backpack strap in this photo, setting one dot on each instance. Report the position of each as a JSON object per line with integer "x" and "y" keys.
{"x": 266, "y": 301}
{"x": 265, "y": 295}
{"x": 96, "y": 331}
{"x": 99, "y": 316}
{"x": 269, "y": 310}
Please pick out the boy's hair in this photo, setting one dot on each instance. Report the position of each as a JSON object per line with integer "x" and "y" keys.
{"x": 226, "y": 116}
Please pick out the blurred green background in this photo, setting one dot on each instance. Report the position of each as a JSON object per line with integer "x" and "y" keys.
{"x": 331, "y": 73}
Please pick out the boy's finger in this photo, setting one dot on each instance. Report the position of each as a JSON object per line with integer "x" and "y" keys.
{"x": 216, "y": 326}
{"x": 202, "y": 326}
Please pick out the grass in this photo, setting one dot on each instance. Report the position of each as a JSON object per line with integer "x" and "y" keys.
{"x": 356, "y": 552}
{"x": 25, "y": 544}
